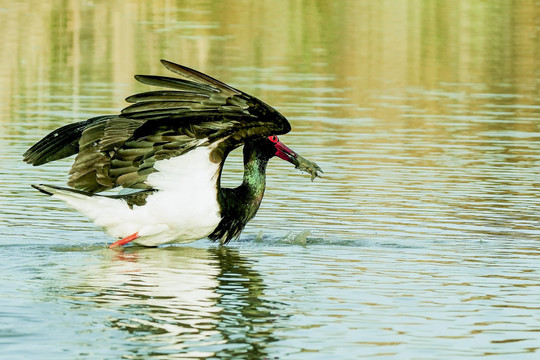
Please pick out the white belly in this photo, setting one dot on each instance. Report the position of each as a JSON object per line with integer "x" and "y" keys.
{"x": 184, "y": 208}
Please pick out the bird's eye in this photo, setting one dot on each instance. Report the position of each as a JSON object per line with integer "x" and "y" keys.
{"x": 273, "y": 139}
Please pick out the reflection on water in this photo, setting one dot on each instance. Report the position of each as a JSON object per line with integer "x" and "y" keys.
{"x": 421, "y": 240}
{"x": 181, "y": 302}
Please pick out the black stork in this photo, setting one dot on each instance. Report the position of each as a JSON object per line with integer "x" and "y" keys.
{"x": 167, "y": 150}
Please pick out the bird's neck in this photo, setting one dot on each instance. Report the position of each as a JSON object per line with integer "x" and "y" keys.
{"x": 239, "y": 205}
{"x": 249, "y": 195}
{"x": 254, "y": 181}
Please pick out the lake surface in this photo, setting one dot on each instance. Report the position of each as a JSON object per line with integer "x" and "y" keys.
{"x": 421, "y": 241}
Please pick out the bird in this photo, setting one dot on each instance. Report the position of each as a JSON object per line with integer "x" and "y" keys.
{"x": 165, "y": 153}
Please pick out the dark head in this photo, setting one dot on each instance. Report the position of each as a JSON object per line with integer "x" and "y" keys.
{"x": 267, "y": 147}
{"x": 240, "y": 204}
{"x": 263, "y": 149}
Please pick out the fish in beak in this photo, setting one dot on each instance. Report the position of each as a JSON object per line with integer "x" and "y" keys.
{"x": 301, "y": 163}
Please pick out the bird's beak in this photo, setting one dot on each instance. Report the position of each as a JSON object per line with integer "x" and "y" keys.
{"x": 283, "y": 152}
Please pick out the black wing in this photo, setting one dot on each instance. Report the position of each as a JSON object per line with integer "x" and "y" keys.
{"x": 120, "y": 150}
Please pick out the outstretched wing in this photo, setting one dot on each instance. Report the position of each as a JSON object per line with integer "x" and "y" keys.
{"x": 196, "y": 110}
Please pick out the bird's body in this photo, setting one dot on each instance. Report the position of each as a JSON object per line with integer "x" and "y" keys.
{"x": 167, "y": 151}
{"x": 183, "y": 207}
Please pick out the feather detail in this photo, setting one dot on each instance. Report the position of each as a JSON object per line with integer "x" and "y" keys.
{"x": 164, "y": 95}
{"x": 122, "y": 150}
{"x": 173, "y": 83}
{"x": 198, "y": 76}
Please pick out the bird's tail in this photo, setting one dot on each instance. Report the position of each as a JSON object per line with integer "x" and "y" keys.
{"x": 103, "y": 210}
{"x": 82, "y": 201}
{"x": 59, "y": 190}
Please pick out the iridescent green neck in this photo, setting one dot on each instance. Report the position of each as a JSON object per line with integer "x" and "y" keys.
{"x": 254, "y": 176}
{"x": 239, "y": 205}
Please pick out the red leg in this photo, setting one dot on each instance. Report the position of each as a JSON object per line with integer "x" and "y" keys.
{"x": 124, "y": 241}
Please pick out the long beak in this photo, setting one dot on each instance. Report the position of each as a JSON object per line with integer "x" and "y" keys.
{"x": 283, "y": 152}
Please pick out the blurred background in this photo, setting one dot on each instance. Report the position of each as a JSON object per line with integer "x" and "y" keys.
{"x": 362, "y": 48}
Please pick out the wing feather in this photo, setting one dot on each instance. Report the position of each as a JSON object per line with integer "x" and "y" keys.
{"x": 121, "y": 150}
{"x": 174, "y": 83}
{"x": 164, "y": 95}
{"x": 199, "y": 77}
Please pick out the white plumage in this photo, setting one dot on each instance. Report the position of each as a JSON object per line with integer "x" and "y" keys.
{"x": 184, "y": 208}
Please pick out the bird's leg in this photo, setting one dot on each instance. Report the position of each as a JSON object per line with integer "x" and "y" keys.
{"x": 124, "y": 241}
